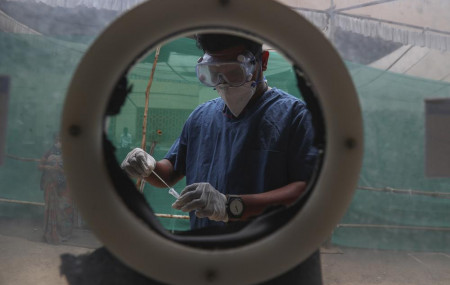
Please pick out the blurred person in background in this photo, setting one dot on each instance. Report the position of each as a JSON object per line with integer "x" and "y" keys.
{"x": 125, "y": 142}
{"x": 59, "y": 208}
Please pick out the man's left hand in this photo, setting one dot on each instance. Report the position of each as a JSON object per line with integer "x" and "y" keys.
{"x": 205, "y": 200}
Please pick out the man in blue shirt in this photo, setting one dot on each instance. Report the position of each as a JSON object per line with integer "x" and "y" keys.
{"x": 241, "y": 153}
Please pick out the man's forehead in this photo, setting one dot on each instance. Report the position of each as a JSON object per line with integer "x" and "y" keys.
{"x": 228, "y": 53}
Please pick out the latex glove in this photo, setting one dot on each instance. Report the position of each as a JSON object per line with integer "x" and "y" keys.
{"x": 204, "y": 200}
{"x": 138, "y": 163}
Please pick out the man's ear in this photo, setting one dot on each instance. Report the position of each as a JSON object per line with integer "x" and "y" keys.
{"x": 264, "y": 59}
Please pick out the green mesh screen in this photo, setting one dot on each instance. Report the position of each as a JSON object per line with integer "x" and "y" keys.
{"x": 394, "y": 137}
{"x": 41, "y": 67}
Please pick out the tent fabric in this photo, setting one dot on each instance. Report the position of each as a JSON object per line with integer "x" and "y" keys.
{"x": 407, "y": 35}
{"x": 421, "y": 23}
{"x": 417, "y": 61}
{"x": 410, "y": 22}
{"x": 116, "y": 5}
{"x": 10, "y": 25}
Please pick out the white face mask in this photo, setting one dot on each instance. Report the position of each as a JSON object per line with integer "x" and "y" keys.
{"x": 236, "y": 98}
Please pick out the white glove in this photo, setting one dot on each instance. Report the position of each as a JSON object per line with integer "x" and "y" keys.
{"x": 138, "y": 163}
{"x": 205, "y": 200}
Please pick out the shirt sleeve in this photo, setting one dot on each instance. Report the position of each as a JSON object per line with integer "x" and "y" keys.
{"x": 178, "y": 151}
{"x": 303, "y": 159}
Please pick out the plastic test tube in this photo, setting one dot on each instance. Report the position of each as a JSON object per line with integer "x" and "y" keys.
{"x": 171, "y": 190}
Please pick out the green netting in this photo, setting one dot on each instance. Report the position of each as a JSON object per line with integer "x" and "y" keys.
{"x": 40, "y": 70}
{"x": 393, "y": 109}
{"x": 394, "y": 138}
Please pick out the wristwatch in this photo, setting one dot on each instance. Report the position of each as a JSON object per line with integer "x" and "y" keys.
{"x": 235, "y": 206}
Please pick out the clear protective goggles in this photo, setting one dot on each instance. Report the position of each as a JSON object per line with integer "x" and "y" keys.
{"x": 212, "y": 71}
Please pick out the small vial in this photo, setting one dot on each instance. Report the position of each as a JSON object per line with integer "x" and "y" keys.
{"x": 174, "y": 193}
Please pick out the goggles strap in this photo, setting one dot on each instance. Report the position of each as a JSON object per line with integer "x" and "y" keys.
{"x": 257, "y": 76}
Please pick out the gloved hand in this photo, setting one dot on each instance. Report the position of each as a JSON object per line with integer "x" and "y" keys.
{"x": 205, "y": 200}
{"x": 138, "y": 163}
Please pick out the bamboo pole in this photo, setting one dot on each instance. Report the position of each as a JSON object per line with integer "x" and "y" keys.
{"x": 169, "y": 216}
{"x": 152, "y": 149}
{"x": 147, "y": 96}
{"x": 183, "y": 217}
{"x": 144, "y": 122}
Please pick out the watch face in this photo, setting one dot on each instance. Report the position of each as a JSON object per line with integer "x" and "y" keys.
{"x": 236, "y": 207}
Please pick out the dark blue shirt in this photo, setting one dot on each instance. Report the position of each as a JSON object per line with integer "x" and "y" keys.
{"x": 268, "y": 146}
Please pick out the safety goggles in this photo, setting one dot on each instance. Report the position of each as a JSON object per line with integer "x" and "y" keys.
{"x": 212, "y": 71}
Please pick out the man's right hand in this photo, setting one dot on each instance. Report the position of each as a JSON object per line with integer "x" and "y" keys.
{"x": 138, "y": 163}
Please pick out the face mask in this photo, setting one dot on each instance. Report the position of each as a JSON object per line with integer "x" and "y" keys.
{"x": 236, "y": 98}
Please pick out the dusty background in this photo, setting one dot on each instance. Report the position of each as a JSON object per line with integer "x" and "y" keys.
{"x": 26, "y": 259}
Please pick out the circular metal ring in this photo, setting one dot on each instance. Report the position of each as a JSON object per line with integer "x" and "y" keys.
{"x": 153, "y": 23}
